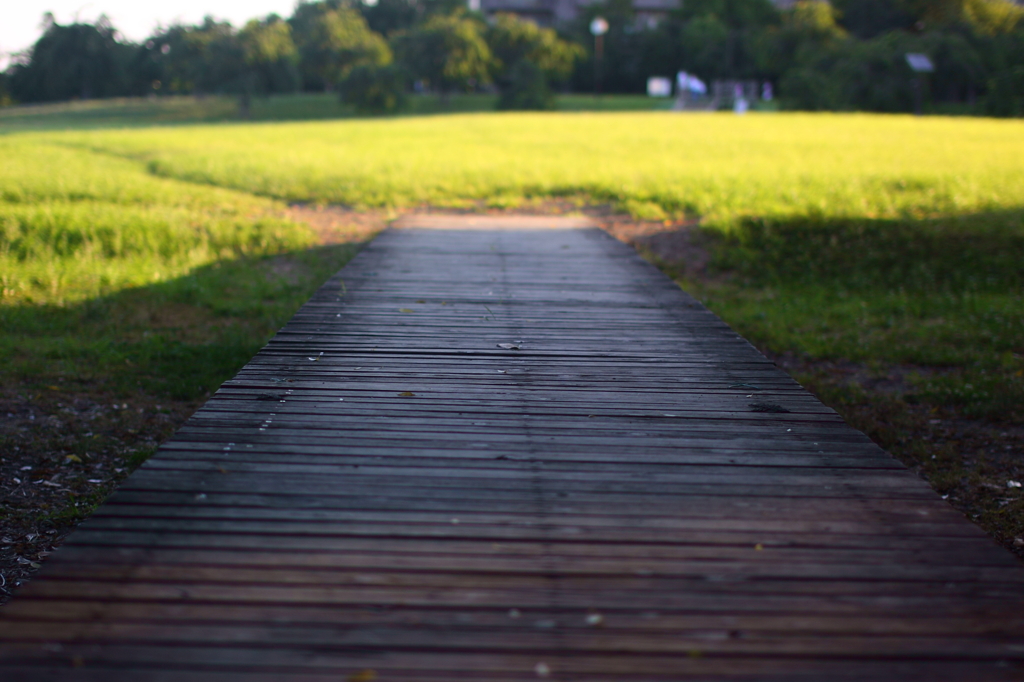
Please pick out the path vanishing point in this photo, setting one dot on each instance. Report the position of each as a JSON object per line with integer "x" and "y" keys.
{"x": 510, "y": 449}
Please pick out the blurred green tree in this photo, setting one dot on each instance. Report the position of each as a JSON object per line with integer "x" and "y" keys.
{"x": 527, "y": 60}
{"x": 73, "y": 61}
{"x": 332, "y": 39}
{"x": 270, "y": 54}
{"x": 448, "y": 52}
{"x": 373, "y": 89}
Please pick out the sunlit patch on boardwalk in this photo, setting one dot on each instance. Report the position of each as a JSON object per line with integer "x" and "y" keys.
{"x": 491, "y": 450}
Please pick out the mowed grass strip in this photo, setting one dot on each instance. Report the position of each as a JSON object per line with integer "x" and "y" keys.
{"x": 653, "y": 164}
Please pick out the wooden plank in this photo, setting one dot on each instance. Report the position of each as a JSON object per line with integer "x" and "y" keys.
{"x": 609, "y": 498}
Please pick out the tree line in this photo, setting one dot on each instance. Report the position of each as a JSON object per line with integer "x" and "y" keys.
{"x": 839, "y": 55}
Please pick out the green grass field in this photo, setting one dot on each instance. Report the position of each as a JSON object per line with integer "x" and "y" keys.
{"x": 868, "y": 238}
{"x": 653, "y": 164}
{"x": 137, "y": 259}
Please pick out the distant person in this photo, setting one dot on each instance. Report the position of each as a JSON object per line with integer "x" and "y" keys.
{"x": 739, "y": 101}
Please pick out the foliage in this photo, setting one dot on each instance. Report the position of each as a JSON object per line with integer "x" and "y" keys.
{"x": 1006, "y": 80}
{"x": 77, "y": 60}
{"x": 388, "y": 17}
{"x": 5, "y": 91}
{"x": 512, "y": 39}
{"x": 332, "y": 40}
{"x": 270, "y": 55}
{"x": 204, "y": 59}
{"x": 986, "y": 16}
{"x": 838, "y": 54}
{"x": 527, "y": 59}
{"x": 375, "y": 89}
{"x": 525, "y": 88}
{"x": 732, "y": 13}
{"x": 448, "y": 52}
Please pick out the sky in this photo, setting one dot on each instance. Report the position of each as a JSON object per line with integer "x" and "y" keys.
{"x": 136, "y": 19}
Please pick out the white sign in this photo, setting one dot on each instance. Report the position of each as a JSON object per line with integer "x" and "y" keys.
{"x": 687, "y": 83}
{"x": 599, "y": 26}
{"x": 658, "y": 86}
{"x": 920, "y": 62}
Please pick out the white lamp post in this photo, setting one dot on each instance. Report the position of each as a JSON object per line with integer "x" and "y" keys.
{"x": 598, "y": 27}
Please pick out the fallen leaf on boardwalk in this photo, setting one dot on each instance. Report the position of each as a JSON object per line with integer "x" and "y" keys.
{"x": 222, "y": 470}
{"x": 317, "y": 357}
{"x": 406, "y": 394}
{"x": 595, "y": 619}
{"x": 406, "y": 310}
{"x": 421, "y": 301}
{"x": 73, "y": 458}
{"x": 756, "y": 388}
{"x": 509, "y": 346}
{"x": 768, "y": 407}
{"x": 542, "y": 670}
{"x": 758, "y": 547}
{"x": 363, "y": 676}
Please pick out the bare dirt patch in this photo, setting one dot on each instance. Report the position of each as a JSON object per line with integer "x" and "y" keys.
{"x": 338, "y": 224}
{"x": 978, "y": 466}
{"x": 62, "y": 451}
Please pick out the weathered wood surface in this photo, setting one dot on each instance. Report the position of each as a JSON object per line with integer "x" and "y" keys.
{"x": 384, "y": 488}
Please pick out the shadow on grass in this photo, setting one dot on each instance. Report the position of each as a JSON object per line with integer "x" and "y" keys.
{"x": 913, "y": 330}
{"x": 939, "y": 300}
{"x": 178, "y": 339}
{"x": 88, "y": 391}
{"x": 975, "y": 252}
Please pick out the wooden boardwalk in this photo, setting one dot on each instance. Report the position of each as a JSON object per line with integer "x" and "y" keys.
{"x": 512, "y": 450}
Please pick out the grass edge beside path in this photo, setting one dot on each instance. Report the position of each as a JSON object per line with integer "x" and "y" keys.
{"x": 972, "y": 454}
{"x": 99, "y": 385}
